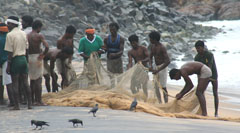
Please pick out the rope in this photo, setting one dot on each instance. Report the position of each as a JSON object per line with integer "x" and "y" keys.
{"x": 160, "y": 86}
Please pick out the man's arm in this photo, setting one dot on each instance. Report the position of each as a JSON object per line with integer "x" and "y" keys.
{"x": 45, "y": 44}
{"x": 188, "y": 85}
{"x": 151, "y": 60}
{"x": 52, "y": 65}
{"x": 129, "y": 60}
{"x": 59, "y": 44}
{"x": 10, "y": 54}
{"x": 210, "y": 60}
{"x": 118, "y": 54}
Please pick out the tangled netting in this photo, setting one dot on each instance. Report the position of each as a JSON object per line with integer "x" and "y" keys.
{"x": 116, "y": 91}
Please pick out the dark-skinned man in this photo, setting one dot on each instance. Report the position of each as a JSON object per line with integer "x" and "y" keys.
{"x": 52, "y": 55}
{"x": 66, "y": 41}
{"x": 35, "y": 58}
{"x": 159, "y": 52}
{"x": 204, "y": 73}
{"x": 207, "y": 58}
{"x": 138, "y": 53}
{"x": 17, "y": 45}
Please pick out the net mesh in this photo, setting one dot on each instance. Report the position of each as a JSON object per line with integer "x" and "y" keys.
{"x": 117, "y": 91}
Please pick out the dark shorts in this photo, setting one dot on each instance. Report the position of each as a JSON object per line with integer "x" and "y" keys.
{"x": 19, "y": 65}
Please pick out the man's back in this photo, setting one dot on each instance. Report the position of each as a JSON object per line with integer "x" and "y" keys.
{"x": 16, "y": 42}
{"x": 191, "y": 68}
{"x": 34, "y": 40}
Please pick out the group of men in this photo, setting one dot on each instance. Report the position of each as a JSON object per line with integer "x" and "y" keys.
{"x": 22, "y": 55}
{"x": 204, "y": 65}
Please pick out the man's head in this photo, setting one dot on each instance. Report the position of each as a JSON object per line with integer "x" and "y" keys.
{"x": 113, "y": 28}
{"x": 90, "y": 33}
{"x": 12, "y": 22}
{"x": 199, "y": 45}
{"x": 3, "y": 28}
{"x": 27, "y": 21}
{"x": 133, "y": 39}
{"x": 154, "y": 37}
{"x": 70, "y": 31}
{"x": 37, "y": 25}
{"x": 66, "y": 52}
{"x": 175, "y": 74}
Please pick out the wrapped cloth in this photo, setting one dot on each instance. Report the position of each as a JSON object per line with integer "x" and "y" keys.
{"x": 35, "y": 66}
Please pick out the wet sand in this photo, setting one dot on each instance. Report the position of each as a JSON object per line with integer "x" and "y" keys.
{"x": 107, "y": 121}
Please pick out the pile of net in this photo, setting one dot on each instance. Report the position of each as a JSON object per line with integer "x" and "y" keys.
{"x": 117, "y": 91}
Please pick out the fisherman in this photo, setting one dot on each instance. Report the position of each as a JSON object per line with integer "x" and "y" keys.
{"x": 35, "y": 57}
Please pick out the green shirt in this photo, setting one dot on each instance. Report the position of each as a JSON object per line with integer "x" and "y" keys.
{"x": 3, "y": 53}
{"x": 208, "y": 59}
{"x": 87, "y": 47}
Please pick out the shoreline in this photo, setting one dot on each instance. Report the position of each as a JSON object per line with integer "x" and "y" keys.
{"x": 226, "y": 109}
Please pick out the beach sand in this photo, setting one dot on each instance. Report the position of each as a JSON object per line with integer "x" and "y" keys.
{"x": 121, "y": 121}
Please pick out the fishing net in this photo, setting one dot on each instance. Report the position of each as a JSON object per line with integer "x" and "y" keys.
{"x": 116, "y": 91}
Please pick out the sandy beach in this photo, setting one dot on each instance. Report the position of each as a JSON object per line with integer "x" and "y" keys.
{"x": 120, "y": 121}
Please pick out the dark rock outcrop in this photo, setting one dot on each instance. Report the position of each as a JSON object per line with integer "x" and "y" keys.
{"x": 208, "y": 9}
{"x": 134, "y": 17}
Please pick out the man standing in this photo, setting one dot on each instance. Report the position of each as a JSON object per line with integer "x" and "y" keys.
{"x": 5, "y": 79}
{"x": 17, "y": 45}
{"x": 139, "y": 54}
{"x": 53, "y": 55}
{"x": 27, "y": 23}
{"x": 90, "y": 43}
{"x": 159, "y": 52}
{"x": 203, "y": 72}
{"x": 207, "y": 58}
{"x": 66, "y": 41}
{"x": 35, "y": 58}
{"x": 114, "y": 46}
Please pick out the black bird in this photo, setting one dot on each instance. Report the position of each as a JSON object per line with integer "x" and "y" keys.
{"x": 94, "y": 110}
{"x": 39, "y": 123}
{"x": 76, "y": 122}
{"x": 133, "y": 105}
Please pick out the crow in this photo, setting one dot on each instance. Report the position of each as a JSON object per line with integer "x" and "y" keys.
{"x": 94, "y": 110}
{"x": 133, "y": 105}
{"x": 76, "y": 122}
{"x": 38, "y": 123}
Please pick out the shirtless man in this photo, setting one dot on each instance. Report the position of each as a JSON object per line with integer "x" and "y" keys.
{"x": 203, "y": 72}
{"x": 139, "y": 54}
{"x": 35, "y": 58}
{"x": 159, "y": 52}
{"x": 66, "y": 41}
{"x": 53, "y": 55}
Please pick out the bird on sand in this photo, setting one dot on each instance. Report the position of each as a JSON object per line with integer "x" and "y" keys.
{"x": 94, "y": 110}
{"x": 133, "y": 105}
{"x": 76, "y": 122}
{"x": 39, "y": 124}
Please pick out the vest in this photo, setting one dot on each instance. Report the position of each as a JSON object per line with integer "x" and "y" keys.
{"x": 113, "y": 47}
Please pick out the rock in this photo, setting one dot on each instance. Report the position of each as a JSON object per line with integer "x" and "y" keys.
{"x": 229, "y": 11}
